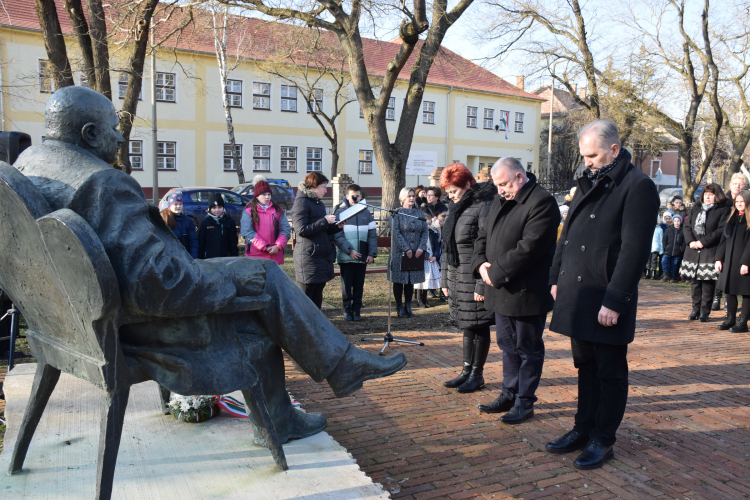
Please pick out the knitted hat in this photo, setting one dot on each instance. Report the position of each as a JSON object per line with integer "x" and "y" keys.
{"x": 261, "y": 187}
{"x": 564, "y": 209}
{"x": 676, "y": 217}
{"x": 665, "y": 215}
{"x": 215, "y": 200}
{"x": 174, "y": 198}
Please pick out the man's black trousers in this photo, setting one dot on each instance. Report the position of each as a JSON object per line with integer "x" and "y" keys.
{"x": 602, "y": 388}
{"x": 352, "y": 286}
{"x": 520, "y": 339}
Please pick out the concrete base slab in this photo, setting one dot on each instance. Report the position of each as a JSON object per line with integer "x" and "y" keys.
{"x": 161, "y": 458}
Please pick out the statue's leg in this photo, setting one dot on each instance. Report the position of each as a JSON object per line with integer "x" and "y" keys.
{"x": 290, "y": 423}
{"x": 295, "y": 324}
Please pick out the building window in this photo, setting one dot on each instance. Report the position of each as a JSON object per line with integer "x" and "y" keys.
{"x": 489, "y": 118}
{"x": 166, "y": 91}
{"x": 288, "y": 98}
{"x": 262, "y": 158}
{"x": 122, "y": 86}
{"x": 428, "y": 112}
{"x": 361, "y": 114}
{"x": 502, "y": 120}
{"x": 229, "y": 159}
{"x": 481, "y": 166}
{"x": 529, "y": 166}
{"x": 314, "y": 160}
{"x": 261, "y": 95}
{"x": 84, "y": 81}
{"x": 519, "y": 122}
{"x": 234, "y": 93}
{"x": 390, "y": 112}
{"x": 166, "y": 155}
{"x": 46, "y": 82}
{"x": 365, "y": 161}
{"x": 135, "y": 150}
{"x": 471, "y": 116}
{"x": 288, "y": 158}
{"x": 316, "y": 101}
{"x": 655, "y": 166}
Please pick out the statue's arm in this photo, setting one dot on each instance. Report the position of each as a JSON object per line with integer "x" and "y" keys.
{"x": 156, "y": 275}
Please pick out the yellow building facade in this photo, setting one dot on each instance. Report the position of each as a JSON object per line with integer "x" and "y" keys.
{"x": 277, "y": 135}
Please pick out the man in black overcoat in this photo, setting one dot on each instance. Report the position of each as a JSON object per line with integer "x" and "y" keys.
{"x": 513, "y": 254}
{"x": 603, "y": 247}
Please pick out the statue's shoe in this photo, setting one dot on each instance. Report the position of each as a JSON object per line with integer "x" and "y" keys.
{"x": 299, "y": 425}
{"x": 358, "y": 365}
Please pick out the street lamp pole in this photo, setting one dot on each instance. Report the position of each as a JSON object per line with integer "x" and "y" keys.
{"x": 551, "y": 112}
{"x": 155, "y": 179}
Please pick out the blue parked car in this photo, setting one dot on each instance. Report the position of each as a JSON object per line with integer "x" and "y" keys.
{"x": 195, "y": 202}
{"x": 282, "y": 195}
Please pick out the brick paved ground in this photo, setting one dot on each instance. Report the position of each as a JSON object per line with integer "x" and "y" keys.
{"x": 685, "y": 433}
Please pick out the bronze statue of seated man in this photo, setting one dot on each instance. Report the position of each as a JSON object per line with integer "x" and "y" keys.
{"x": 171, "y": 304}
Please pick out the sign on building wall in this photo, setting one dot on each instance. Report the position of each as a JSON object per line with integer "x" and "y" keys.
{"x": 421, "y": 162}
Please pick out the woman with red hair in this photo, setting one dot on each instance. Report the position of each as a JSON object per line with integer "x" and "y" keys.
{"x": 467, "y": 212}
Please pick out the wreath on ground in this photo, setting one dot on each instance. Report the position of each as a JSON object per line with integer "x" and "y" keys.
{"x": 193, "y": 408}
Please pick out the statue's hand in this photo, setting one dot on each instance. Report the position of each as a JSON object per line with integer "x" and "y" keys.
{"x": 249, "y": 275}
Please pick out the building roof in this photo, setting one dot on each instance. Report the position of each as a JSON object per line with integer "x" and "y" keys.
{"x": 564, "y": 102}
{"x": 448, "y": 69}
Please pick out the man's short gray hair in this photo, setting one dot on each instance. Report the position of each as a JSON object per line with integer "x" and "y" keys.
{"x": 512, "y": 164}
{"x": 404, "y": 193}
{"x": 605, "y": 130}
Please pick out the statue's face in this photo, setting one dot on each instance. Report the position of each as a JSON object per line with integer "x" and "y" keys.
{"x": 109, "y": 138}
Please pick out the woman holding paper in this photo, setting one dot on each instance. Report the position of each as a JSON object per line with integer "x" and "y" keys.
{"x": 409, "y": 238}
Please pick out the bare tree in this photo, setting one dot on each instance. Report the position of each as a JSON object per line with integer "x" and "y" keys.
{"x": 54, "y": 43}
{"x": 668, "y": 45}
{"x": 306, "y": 60}
{"x": 220, "y": 27}
{"x": 334, "y": 17}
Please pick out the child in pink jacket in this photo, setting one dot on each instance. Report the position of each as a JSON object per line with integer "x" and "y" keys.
{"x": 264, "y": 226}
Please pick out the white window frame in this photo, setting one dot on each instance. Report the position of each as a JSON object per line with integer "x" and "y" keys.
{"x": 517, "y": 122}
{"x": 175, "y": 156}
{"x": 315, "y": 103}
{"x": 428, "y": 114}
{"x": 233, "y": 93}
{"x": 132, "y": 155}
{"x": 123, "y": 86}
{"x": 488, "y": 122}
{"x": 232, "y": 166}
{"x": 390, "y": 111}
{"x": 263, "y": 96}
{"x": 164, "y": 88}
{"x": 361, "y": 114}
{"x": 47, "y": 87}
{"x": 287, "y": 98}
{"x": 471, "y": 120}
{"x": 322, "y": 156}
{"x": 259, "y": 157}
{"x": 655, "y": 166}
{"x": 365, "y": 161}
{"x": 282, "y": 158}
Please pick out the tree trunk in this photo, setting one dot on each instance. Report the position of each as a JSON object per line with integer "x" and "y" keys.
{"x": 739, "y": 148}
{"x": 334, "y": 160}
{"x": 135, "y": 83}
{"x": 81, "y": 29}
{"x": 232, "y": 141}
{"x": 57, "y": 53}
{"x": 100, "y": 46}
{"x": 686, "y": 148}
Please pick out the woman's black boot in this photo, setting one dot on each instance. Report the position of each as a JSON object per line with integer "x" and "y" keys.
{"x": 729, "y": 321}
{"x": 740, "y": 326}
{"x": 407, "y": 309}
{"x": 400, "y": 308}
{"x": 476, "y": 377}
{"x": 423, "y": 299}
{"x": 468, "y": 358}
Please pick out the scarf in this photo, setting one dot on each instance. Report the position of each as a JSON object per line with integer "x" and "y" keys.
{"x": 700, "y": 221}
{"x": 598, "y": 174}
{"x": 215, "y": 217}
{"x": 449, "y": 228}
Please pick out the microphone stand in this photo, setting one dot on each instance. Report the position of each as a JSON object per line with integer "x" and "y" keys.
{"x": 388, "y": 337}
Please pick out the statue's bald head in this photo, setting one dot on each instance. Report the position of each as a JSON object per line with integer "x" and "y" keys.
{"x": 84, "y": 117}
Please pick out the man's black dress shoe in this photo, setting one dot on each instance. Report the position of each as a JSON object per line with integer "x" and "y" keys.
{"x": 348, "y": 317}
{"x": 703, "y": 318}
{"x": 594, "y": 455}
{"x": 500, "y": 405}
{"x": 693, "y": 315}
{"x": 571, "y": 441}
{"x": 517, "y": 415}
{"x": 356, "y": 316}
